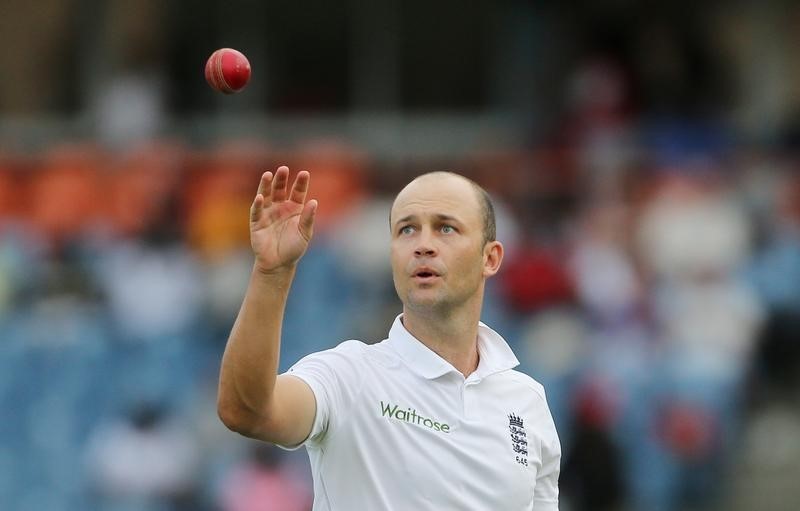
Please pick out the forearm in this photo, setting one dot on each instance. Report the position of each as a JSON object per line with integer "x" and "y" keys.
{"x": 250, "y": 362}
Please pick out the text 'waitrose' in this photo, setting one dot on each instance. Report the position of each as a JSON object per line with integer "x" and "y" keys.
{"x": 410, "y": 415}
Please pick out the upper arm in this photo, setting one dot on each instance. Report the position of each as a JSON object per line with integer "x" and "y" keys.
{"x": 545, "y": 493}
{"x": 310, "y": 397}
{"x": 287, "y": 420}
{"x": 291, "y": 415}
{"x": 546, "y": 490}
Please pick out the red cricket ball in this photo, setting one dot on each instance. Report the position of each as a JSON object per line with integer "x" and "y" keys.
{"x": 227, "y": 70}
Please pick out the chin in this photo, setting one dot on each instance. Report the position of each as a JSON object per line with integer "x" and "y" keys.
{"x": 426, "y": 303}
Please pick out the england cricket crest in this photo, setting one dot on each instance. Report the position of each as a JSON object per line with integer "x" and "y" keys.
{"x": 519, "y": 439}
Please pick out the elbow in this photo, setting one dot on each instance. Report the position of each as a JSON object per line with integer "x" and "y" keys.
{"x": 246, "y": 423}
{"x": 236, "y": 419}
{"x": 228, "y": 416}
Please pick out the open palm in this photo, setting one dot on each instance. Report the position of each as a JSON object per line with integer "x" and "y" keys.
{"x": 281, "y": 220}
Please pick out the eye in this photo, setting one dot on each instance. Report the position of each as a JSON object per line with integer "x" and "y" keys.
{"x": 448, "y": 229}
{"x": 406, "y": 229}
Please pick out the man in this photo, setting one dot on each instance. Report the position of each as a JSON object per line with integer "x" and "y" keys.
{"x": 433, "y": 417}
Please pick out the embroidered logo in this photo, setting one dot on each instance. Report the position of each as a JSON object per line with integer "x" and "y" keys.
{"x": 519, "y": 439}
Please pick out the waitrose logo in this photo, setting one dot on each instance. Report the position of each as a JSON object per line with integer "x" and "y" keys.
{"x": 410, "y": 415}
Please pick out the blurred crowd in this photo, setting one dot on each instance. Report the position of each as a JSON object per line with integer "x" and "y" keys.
{"x": 651, "y": 283}
{"x": 649, "y": 206}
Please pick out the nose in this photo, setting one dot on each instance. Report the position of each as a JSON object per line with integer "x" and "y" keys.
{"x": 424, "y": 250}
{"x": 425, "y": 247}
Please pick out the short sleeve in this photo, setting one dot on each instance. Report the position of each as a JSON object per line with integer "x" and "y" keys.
{"x": 545, "y": 494}
{"x": 334, "y": 377}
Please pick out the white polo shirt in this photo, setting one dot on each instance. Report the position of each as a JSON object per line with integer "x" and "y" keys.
{"x": 397, "y": 427}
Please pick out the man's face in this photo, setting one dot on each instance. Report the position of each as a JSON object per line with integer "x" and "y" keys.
{"x": 437, "y": 251}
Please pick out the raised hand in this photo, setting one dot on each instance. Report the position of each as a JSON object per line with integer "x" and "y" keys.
{"x": 281, "y": 221}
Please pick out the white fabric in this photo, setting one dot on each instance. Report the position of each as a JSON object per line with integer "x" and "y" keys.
{"x": 397, "y": 427}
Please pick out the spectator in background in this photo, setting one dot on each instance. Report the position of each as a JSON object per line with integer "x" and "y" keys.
{"x": 775, "y": 270}
{"x": 693, "y": 238}
{"x": 128, "y": 86}
{"x": 766, "y": 464}
{"x": 153, "y": 283}
{"x": 766, "y": 467}
{"x": 143, "y": 460}
{"x": 263, "y": 482}
{"x": 593, "y": 470}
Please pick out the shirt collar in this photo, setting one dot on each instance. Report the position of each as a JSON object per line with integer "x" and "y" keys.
{"x": 495, "y": 354}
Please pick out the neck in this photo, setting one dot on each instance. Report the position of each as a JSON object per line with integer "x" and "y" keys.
{"x": 452, "y": 336}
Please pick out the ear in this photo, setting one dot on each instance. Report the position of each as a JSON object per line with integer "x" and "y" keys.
{"x": 492, "y": 258}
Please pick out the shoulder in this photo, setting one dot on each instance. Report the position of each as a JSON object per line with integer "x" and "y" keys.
{"x": 352, "y": 347}
{"x": 533, "y": 404}
{"x": 347, "y": 352}
{"x": 525, "y": 383}
{"x": 359, "y": 350}
{"x": 339, "y": 374}
{"x": 351, "y": 353}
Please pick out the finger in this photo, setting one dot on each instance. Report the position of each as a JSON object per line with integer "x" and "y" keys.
{"x": 306, "y": 224}
{"x": 264, "y": 187}
{"x": 266, "y": 179}
{"x": 300, "y": 187}
{"x": 257, "y": 208}
{"x": 280, "y": 183}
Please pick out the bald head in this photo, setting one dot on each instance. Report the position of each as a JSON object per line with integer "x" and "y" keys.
{"x": 482, "y": 199}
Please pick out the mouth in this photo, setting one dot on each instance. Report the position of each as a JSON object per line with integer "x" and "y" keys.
{"x": 424, "y": 275}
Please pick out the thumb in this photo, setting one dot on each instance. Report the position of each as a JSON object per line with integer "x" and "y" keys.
{"x": 306, "y": 224}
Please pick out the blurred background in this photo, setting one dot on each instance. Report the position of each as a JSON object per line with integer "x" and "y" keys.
{"x": 644, "y": 161}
